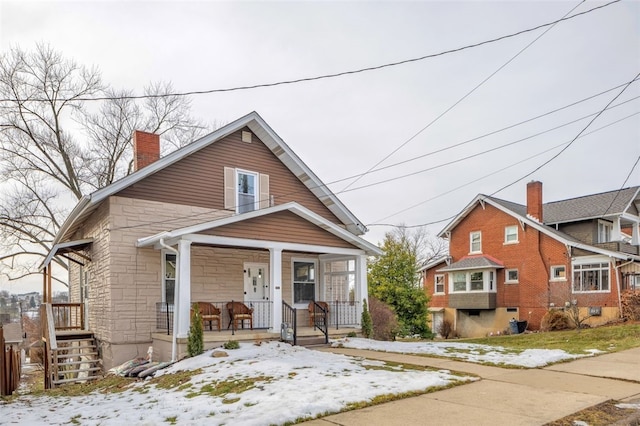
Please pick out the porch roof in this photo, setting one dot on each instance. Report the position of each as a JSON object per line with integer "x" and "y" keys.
{"x": 193, "y": 233}
{"x": 473, "y": 262}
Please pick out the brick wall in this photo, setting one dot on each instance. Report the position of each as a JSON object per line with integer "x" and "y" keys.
{"x": 533, "y": 255}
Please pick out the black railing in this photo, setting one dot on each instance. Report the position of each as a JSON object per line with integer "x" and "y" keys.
{"x": 320, "y": 319}
{"x": 343, "y": 314}
{"x": 289, "y": 322}
{"x": 164, "y": 316}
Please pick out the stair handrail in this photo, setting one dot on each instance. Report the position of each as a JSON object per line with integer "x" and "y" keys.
{"x": 289, "y": 313}
{"x": 323, "y": 326}
{"x": 49, "y": 326}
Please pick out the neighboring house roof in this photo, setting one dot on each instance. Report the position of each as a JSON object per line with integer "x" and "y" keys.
{"x": 89, "y": 203}
{"x": 474, "y": 262}
{"x": 519, "y": 212}
{"x": 612, "y": 203}
{"x": 435, "y": 262}
{"x": 172, "y": 236}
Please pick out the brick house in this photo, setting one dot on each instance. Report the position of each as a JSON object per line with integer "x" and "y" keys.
{"x": 234, "y": 216}
{"x": 509, "y": 261}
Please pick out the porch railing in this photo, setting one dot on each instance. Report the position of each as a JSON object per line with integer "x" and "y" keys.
{"x": 343, "y": 314}
{"x": 289, "y": 322}
{"x": 68, "y": 316}
{"x": 262, "y": 314}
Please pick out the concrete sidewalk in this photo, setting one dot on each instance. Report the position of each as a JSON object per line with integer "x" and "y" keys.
{"x": 502, "y": 396}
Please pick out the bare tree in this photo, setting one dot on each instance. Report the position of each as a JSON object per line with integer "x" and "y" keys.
{"x": 421, "y": 243}
{"x": 57, "y": 145}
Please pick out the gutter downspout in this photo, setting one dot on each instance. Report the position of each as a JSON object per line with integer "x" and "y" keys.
{"x": 618, "y": 279}
{"x": 176, "y": 302}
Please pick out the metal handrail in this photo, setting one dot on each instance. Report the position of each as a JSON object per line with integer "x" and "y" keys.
{"x": 289, "y": 315}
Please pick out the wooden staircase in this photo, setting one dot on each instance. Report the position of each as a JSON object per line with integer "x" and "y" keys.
{"x": 75, "y": 360}
{"x": 71, "y": 353}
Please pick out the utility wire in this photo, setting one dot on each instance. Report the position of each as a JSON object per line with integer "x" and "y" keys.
{"x": 622, "y": 187}
{"x": 325, "y": 76}
{"x": 376, "y": 223}
{"x": 570, "y": 143}
{"x": 402, "y": 145}
{"x": 458, "y": 160}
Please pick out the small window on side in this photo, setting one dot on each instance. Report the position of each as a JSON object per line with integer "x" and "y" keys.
{"x": 558, "y": 273}
{"x": 511, "y": 234}
{"x": 439, "y": 284}
{"x": 511, "y": 276}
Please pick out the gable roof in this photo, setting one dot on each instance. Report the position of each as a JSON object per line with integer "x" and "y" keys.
{"x": 519, "y": 212}
{"x": 293, "y": 207}
{"x": 89, "y": 203}
{"x": 612, "y": 203}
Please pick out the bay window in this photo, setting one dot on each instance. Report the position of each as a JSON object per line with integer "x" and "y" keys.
{"x": 470, "y": 281}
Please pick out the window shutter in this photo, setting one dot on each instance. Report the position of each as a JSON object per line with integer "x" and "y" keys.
{"x": 230, "y": 188}
{"x": 264, "y": 191}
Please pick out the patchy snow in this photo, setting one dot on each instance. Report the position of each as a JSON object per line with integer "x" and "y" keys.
{"x": 295, "y": 383}
{"x": 529, "y": 358}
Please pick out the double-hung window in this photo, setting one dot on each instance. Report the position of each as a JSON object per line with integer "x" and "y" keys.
{"x": 304, "y": 281}
{"x": 604, "y": 231}
{"x": 439, "y": 284}
{"x": 511, "y": 234}
{"x": 475, "y": 242}
{"x": 247, "y": 191}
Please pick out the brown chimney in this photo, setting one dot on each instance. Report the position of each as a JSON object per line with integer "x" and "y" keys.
{"x": 534, "y": 200}
{"x": 146, "y": 149}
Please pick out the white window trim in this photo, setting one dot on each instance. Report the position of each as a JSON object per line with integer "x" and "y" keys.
{"x": 608, "y": 225}
{"x": 587, "y": 260}
{"x": 552, "y": 274}
{"x": 164, "y": 254}
{"x": 316, "y": 284}
{"x": 506, "y": 276}
{"x": 506, "y": 228}
{"x": 471, "y": 234}
{"x": 435, "y": 284}
{"x": 486, "y": 281}
{"x": 256, "y": 192}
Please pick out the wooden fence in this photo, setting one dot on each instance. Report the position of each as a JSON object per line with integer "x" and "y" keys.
{"x": 9, "y": 366}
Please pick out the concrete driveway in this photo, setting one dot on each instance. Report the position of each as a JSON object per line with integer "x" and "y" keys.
{"x": 502, "y": 396}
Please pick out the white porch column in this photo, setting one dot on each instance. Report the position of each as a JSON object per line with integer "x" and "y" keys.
{"x": 184, "y": 289}
{"x": 275, "y": 287}
{"x": 616, "y": 233}
{"x": 635, "y": 233}
{"x": 362, "y": 288}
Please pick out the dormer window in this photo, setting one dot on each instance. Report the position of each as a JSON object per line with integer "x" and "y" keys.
{"x": 475, "y": 242}
{"x": 604, "y": 231}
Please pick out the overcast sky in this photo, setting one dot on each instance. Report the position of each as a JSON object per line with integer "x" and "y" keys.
{"x": 343, "y": 126}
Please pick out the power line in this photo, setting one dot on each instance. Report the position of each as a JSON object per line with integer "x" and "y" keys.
{"x": 484, "y": 177}
{"x": 458, "y": 160}
{"x": 570, "y": 143}
{"x": 402, "y": 145}
{"x": 622, "y": 187}
{"x": 324, "y": 76}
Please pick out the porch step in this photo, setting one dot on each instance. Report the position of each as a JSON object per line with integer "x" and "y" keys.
{"x": 311, "y": 341}
{"x": 75, "y": 360}
{"x": 75, "y": 380}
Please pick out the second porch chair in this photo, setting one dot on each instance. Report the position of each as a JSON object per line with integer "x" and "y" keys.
{"x": 316, "y": 315}
{"x": 239, "y": 312}
{"x": 209, "y": 313}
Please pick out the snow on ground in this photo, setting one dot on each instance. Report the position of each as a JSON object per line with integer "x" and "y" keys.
{"x": 293, "y": 382}
{"x": 529, "y": 358}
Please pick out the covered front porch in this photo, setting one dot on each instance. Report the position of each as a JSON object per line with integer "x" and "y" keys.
{"x": 247, "y": 259}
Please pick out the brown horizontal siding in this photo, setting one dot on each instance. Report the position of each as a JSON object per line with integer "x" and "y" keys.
{"x": 198, "y": 180}
{"x": 282, "y": 226}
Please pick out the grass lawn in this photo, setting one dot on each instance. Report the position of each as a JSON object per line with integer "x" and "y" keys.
{"x": 609, "y": 338}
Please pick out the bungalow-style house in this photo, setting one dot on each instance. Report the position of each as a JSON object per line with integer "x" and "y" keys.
{"x": 508, "y": 261}
{"x": 234, "y": 216}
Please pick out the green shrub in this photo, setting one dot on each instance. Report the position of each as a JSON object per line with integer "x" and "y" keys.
{"x": 195, "y": 342}
{"x": 367, "y": 325}
{"x": 231, "y": 344}
{"x": 352, "y": 334}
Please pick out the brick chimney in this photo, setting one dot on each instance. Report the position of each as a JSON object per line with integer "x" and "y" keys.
{"x": 146, "y": 149}
{"x": 534, "y": 200}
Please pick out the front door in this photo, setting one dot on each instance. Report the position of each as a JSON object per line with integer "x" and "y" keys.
{"x": 256, "y": 292}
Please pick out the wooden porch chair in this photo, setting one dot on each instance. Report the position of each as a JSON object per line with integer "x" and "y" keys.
{"x": 209, "y": 313}
{"x": 239, "y": 312}
{"x": 319, "y": 315}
